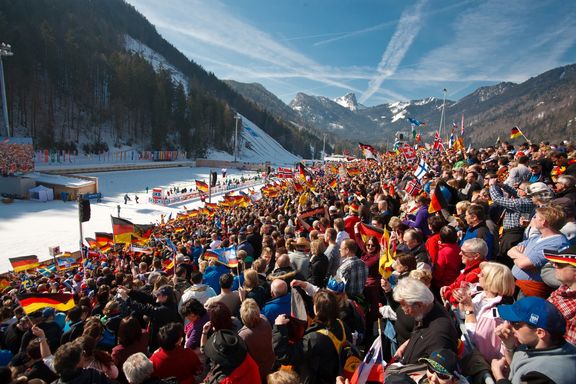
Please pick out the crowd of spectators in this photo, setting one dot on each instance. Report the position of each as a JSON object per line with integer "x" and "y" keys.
{"x": 480, "y": 289}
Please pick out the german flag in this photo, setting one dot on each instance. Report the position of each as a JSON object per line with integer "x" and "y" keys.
{"x": 298, "y": 187}
{"x": 201, "y": 186}
{"x": 367, "y": 231}
{"x": 24, "y": 263}
{"x": 437, "y": 201}
{"x": 35, "y": 301}
{"x": 333, "y": 184}
{"x": 303, "y": 171}
{"x": 516, "y": 132}
{"x": 353, "y": 171}
{"x": 122, "y": 230}
{"x": 4, "y": 283}
{"x": 103, "y": 238}
{"x": 143, "y": 231}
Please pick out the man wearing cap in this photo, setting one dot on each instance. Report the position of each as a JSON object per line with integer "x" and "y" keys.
{"x": 564, "y": 298}
{"x": 352, "y": 218}
{"x": 519, "y": 173}
{"x": 533, "y": 337}
{"x": 442, "y": 367}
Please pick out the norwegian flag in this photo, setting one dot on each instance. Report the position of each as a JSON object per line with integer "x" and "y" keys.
{"x": 413, "y": 188}
{"x": 438, "y": 144}
{"x": 284, "y": 173}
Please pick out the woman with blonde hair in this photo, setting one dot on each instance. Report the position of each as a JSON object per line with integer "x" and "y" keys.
{"x": 252, "y": 288}
{"x": 257, "y": 334}
{"x": 497, "y": 283}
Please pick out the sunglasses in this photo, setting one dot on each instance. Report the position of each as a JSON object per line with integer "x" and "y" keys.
{"x": 519, "y": 324}
{"x": 440, "y": 376}
{"x": 560, "y": 265}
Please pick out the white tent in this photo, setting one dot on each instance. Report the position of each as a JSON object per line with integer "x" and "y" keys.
{"x": 41, "y": 193}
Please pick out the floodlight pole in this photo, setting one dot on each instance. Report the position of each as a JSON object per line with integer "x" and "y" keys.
{"x": 5, "y": 50}
{"x": 442, "y": 115}
{"x": 236, "y": 117}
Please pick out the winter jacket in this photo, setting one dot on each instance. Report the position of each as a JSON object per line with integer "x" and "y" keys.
{"x": 314, "y": 357}
{"x": 447, "y": 266}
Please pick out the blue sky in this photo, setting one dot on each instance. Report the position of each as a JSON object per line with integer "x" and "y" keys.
{"x": 383, "y": 51}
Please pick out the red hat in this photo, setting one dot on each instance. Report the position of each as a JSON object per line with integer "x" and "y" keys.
{"x": 77, "y": 277}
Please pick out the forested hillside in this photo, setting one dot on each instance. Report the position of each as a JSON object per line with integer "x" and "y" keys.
{"x": 71, "y": 80}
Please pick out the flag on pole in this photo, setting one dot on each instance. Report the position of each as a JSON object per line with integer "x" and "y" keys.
{"x": 201, "y": 186}
{"x": 437, "y": 201}
{"x": 462, "y": 126}
{"x": 516, "y": 132}
{"x": 23, "y": 263}
{"x": 438, "y": 144}
{"x": 35, "y": 301}
{"x": 421, "y": 169}
{"x": 122, "y": 230}
{"x": 387, "y": 255}
{"x": 415, "y": 122}
{"x": 369, "y": 152}
{"x": 371, "y": 370}
{"x": 47, "y": 271}
{"x": 413, "y": 188}
{"x": 226, "y": 256}
{"x": 452, "y": 140}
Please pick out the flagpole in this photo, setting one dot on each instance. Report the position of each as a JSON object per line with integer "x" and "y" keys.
{"x": 81, "y": 235}
{"x": 381, "y": 349}
{"x": 442, "y": 114}
{"x": 524, "y": 136}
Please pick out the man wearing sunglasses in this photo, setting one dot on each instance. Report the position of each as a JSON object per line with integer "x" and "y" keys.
{"x": 564, "y": 298}
{"x": 533, "y": 335}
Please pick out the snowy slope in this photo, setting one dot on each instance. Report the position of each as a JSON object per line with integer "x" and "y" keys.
{"x": 256, "y": 146}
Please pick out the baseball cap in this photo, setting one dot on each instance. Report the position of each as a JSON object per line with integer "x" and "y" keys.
{"x": 538, "y": 188}
{"x": 443, "y": 361}
{"x": 534, "y": 311}
{"x": 565, "y": 256}
{"x": 336, "y": 285}
{"x": 48, "y": 312}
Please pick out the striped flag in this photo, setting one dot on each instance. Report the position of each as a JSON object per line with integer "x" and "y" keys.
{"x": 462, "y": 126}
{"x": 371, "y": 370}
{"x": 452, "y": 140}
{"x": 24, "y": 263}
{"x": 226, "y": 256}
{"x": 516, "y": 132}
{"x": 122, "y": 230}
{"x": 201, "y": 186}
{"x": 35, "y": 301}
{"x": 437, "y": 201}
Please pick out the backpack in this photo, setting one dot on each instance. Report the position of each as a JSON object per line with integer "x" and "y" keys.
{"x": 348, "y": 354}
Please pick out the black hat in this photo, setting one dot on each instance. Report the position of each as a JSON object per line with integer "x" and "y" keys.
{"x": 443, "y": 361}
{"x": 165, "y": 290}
{"x": 225, "y": 348}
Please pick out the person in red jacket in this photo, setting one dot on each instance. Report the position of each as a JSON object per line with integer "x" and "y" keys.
{"x": 172, "y": 359}
{"x": 473, "y": 252}
{"x": 447, "y": 265}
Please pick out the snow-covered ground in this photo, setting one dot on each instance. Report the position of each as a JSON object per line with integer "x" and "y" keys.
{"x": 30, "y": 228}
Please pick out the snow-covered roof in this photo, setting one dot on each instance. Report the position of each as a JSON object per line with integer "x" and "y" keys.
{"x": 65, "y": 181}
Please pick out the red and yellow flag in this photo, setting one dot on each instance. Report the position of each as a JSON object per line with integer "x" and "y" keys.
{"x": 24, "y": 263}
{"x": 515, "y": 132}
{"x": 201, "y": 186}
{"x": 35, "y": 301}
{"x": 122, "y": 230}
